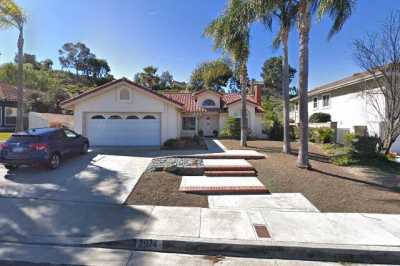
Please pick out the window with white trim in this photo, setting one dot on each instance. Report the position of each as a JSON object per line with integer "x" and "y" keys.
{"x": 315, "y": 102}
{"x": 208, "y": 103}
{"x": 10, "y": 115}
{"x": 326, "y": 100}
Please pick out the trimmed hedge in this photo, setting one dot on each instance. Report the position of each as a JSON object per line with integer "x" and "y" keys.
{"x": 319, "y": 118}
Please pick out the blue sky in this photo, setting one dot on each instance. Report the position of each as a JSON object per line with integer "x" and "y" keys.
{"x": 131, "y": 34}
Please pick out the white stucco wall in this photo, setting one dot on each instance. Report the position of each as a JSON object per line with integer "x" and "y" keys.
{"x": 36, "y": 120}
{"x": 106, "y": 101}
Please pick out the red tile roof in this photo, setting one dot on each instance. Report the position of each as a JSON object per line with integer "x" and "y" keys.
{"x": 190, "y": 105}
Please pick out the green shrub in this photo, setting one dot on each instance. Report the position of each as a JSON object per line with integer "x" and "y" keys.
{"x": 321, "y": 135}
{"x": 170, "y": 143}
{"x": 320, "y": 118}
{"x": 231, "y": 128}
{"x": 330, "y": 148}
{"x": 365, "y": 147}
{"x": 349, "y": 138}
{"x": 275, "y": 132}
{"x": 343, "y": 160}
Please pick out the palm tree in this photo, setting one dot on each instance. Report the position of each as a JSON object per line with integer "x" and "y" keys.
{"x": 339, "y": 11}
{"x": 231, "y": 33}
{"x": 285, "y": 12}
{"x": 11, "y": 15}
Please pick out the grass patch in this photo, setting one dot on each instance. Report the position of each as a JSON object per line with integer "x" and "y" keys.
{"x": 381, "y": 163}
{"x": 344, "y": 156}
{"x": 4, "y": 136}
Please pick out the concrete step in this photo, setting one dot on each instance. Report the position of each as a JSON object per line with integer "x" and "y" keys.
{"x": 227, "y": 165}
{"x": 231, "y": 154}
{"x": 231, "y": 184}
{"x": 231, "y": 173}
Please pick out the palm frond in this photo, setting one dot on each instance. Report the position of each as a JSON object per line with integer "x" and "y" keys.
{"x": 338, "y": 10}
{"x": 11, "y": 14}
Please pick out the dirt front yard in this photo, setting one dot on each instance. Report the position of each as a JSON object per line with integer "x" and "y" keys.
{"x": 330, "y": 188}
{"x": 162, "y": 188}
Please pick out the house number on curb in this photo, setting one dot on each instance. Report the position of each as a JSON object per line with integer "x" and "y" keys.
{"x": 148, "y": 244}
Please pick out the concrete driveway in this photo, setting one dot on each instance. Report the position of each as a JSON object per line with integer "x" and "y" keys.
{"x": 102, "y": 175}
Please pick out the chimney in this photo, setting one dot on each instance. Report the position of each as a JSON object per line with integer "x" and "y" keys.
{"x": 258, "y": 93}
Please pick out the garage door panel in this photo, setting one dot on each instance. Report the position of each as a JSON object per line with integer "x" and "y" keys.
{"x": 124, "y": 132}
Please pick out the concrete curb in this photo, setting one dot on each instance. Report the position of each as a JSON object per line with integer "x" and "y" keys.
{"x": 267, "y": 249}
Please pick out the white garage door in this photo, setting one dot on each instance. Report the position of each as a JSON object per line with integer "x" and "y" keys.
{"x": 122, "y": 129}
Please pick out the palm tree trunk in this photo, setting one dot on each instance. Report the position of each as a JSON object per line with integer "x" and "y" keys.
{"x": 243, "y": 120}
{"x": 304, "y": 30}
{"x": 285, "y": 93}
{"x": 20, "y": 92}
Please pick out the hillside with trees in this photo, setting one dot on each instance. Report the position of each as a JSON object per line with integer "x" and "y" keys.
{"x": 80, "y": 70}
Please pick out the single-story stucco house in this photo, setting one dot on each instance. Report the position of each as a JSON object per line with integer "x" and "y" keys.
{"x": 123, "y": 113}
{"x": 348, "y": 104}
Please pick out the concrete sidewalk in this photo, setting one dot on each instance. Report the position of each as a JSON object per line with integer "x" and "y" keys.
{"x": 26, "y": 254}
{"x": 185, "y": 229}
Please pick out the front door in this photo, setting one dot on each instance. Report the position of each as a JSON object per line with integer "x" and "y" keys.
{"x": 209, "y": 125}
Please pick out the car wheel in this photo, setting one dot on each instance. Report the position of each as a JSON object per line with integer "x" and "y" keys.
{"x": 10, "y": 166}
{"x": 54, "y": 161}
{"x": 85, "y": 148}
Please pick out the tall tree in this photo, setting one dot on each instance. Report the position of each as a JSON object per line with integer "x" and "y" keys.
{"x": 148, "y": 77}
{"x": 231, "y": 33}
{"x": 46, "y": 64}
{"x": 166, "y": 80}
{"x": 339, "y": 11}
{"x": 285, "y": 12}
{"x": 272, "y": 75}
{"x": 11, "y": 15}
{"x": 379, "y": 55}
{"x": 211, "y": 75}
{"x": 75, "y": 56}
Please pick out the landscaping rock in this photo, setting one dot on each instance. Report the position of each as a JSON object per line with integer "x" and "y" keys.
{"x": 178, "y": 166}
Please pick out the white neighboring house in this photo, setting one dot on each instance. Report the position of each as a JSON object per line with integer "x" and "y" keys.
{"x": 123, "y": 113}
{"x": 346, "y": 102}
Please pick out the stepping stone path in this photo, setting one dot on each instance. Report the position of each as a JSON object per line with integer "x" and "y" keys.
{"x": 205, "y": 184}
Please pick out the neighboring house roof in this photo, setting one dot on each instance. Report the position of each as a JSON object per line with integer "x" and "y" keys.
{"x": 188, "y": 100}
{"x": 335, "y": 85}
{"x": 9, "y": 92}
{"x": 108, "y": 84}
{"x": 196, "y": 93}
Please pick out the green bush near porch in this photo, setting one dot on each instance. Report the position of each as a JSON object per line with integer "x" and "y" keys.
{"x": 231, "y": 128}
